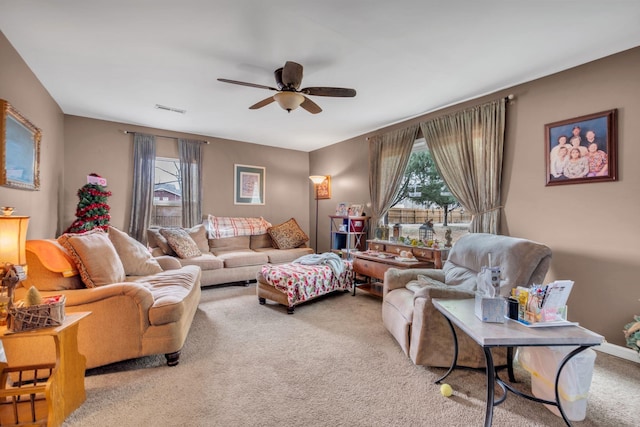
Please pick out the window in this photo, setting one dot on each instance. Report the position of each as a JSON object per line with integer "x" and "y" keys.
{"x": 167, "y": 193}
{"x": 424, "y": 196}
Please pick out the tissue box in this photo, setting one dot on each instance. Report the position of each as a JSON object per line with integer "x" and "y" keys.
{"x": 490, "y": 309}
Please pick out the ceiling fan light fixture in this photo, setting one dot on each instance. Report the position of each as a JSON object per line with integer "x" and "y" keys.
{"x": 288, "y": 100}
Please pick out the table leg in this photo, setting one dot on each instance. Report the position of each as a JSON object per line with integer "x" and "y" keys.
{"x": 454, "y": 361}
{"x": 488, "y": 418}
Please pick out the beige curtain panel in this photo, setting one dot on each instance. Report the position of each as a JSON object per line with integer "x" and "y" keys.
{"x": 467, "y": 148}
{"x": 388, "y": 157}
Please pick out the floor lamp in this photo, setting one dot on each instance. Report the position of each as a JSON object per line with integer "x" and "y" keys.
{"x": 317, "y": 180}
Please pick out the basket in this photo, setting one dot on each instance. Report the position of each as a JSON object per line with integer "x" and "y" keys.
{"x": 51, "y": 313}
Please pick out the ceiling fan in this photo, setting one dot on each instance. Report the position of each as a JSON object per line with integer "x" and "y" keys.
{"x": 290, "y": 96}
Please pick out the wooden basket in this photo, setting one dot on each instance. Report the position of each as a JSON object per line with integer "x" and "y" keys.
{"x": 36, "y": 316}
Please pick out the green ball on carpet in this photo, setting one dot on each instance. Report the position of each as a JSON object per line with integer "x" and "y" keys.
{"x": 446, "y": 390}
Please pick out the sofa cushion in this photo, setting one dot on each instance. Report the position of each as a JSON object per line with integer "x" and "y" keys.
{"x": 241, "y": 258}
{"x": 206, "y": 261}
{"x": 281, "y": 256}
{"x": 229, "y": 243}
{"x": 95, "y": 256}
{"x": 199, "y": 235}
{"x": 169, "y": 290}
{"x": 181, "y": 243}
{"x": 259, "y": 241}
{"x": 287, "y": 235}
{"x": 136, "y": 258}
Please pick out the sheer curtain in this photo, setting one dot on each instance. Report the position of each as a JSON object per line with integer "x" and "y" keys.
{"x": 191, "y": 179}
{"x": 144, "y": 159}
{"x": 388, "y": 157}
{"x": 467, "y": 149}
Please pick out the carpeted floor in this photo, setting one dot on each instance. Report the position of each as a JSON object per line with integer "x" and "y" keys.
{"x": 332, "y": 363}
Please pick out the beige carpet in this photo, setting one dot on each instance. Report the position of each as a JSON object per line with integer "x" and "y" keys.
{"x": 332, "y": 363}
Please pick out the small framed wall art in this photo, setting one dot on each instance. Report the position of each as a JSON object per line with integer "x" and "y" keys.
{"x": 19, "y": 150}
{"x": 324, "y": 188}
{"x": 582, "y": 150}
{"x": 249, "y": 185}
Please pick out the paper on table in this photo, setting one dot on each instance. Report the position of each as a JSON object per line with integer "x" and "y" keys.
{"x": 557, "y": 294}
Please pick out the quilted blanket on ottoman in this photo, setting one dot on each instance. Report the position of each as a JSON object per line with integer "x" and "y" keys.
{"x": 302, "y": 282}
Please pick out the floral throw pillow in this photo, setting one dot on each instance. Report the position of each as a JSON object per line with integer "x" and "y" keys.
{"x": 181, "y": 242}
{"x": 287, "y": 235}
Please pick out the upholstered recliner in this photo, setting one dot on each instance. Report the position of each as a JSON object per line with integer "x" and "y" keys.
{"x": 422, "y": 331}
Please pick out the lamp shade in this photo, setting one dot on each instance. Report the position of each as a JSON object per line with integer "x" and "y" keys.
{"x": 13, "y": 236}
{"x": 288, "y": 100}
{"x": 317, "y": 179}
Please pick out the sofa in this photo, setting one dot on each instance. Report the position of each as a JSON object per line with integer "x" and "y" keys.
{"x": 230, "y": 249}
{"x": 140, "y": 305}
{"x": 421, "y": 330}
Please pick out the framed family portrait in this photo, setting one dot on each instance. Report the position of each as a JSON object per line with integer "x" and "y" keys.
{"x": 249, "y": 185}
{"x": 19, "y": 150}
{"x": 582, "y": 150}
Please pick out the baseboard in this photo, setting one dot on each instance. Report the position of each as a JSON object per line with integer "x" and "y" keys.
{"x": 619, "y": 351}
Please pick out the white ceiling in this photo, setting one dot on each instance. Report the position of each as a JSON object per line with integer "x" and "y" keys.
{"x": 115, "y": 60}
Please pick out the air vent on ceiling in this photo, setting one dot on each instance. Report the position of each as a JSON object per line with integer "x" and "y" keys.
{"x": 175, "y": 110}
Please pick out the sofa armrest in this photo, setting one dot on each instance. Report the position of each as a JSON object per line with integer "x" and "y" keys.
{"x": 168, "y": 262}
{"x": 442, "y": 292}
{"x": 395, "y": 278}
{"x": 79, "y": 297}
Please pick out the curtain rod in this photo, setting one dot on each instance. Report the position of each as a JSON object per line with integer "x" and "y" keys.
{"x": 126, "y": 132}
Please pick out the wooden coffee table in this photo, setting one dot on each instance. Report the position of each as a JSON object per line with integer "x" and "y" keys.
{"x": 372, "y": 266}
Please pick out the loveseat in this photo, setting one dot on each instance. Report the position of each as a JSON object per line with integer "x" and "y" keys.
{"x": 230, "y": 249}
{"x": 422, "y": 332}
{"x": 139, "y": 305}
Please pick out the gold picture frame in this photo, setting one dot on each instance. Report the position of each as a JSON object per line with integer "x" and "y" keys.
{"x": 19, "y": 150}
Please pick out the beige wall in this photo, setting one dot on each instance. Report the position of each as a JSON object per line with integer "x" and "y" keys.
{"x": 21, "y": 88}
{"x": 592, "y": 229}
{"x": 101, "y": 147}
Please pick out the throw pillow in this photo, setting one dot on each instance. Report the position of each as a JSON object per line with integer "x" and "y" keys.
{"x": 154, "y": 237}
{"x": 287, "y": 235}
{"x": 181, "y": 243}
{"x": 95, "y": 256}
{"x": 136, "y": 258}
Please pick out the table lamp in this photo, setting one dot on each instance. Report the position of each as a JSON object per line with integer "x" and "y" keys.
{"x": 13, "y": 258}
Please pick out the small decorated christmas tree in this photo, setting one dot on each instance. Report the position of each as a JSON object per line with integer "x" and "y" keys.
{"x": 92, "y": 210}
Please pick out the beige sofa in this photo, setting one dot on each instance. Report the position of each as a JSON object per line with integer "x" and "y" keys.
{"x": 139, "y": 305}
{"x": 422, "y": 331}
{"x": 235, "y": 249}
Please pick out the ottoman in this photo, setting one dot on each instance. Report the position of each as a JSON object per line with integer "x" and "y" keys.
{"x": 294, "y": 283}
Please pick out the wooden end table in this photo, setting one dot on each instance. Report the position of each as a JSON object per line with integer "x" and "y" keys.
{"x": 373, "y": 265}
{"x": 67, "y": 384}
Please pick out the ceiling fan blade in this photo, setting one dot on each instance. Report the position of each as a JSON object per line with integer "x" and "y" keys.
{"x": 236, "y": 82}
{"x": 292, "y": 74}
{"x": 310, "y": 106}
{"x": 278, "y": 75}
{"x": 262, "y": 103}
{"x": 329, "y": 91}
